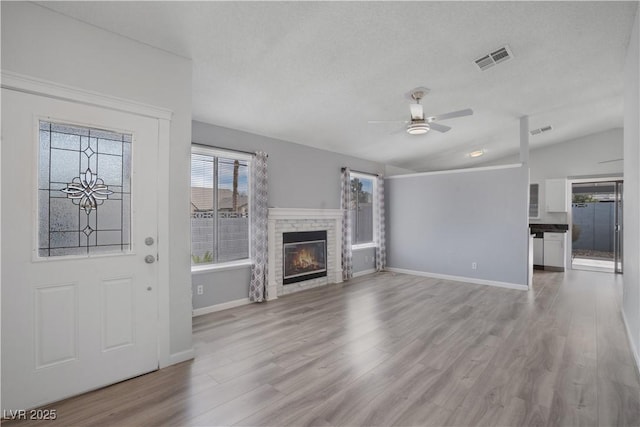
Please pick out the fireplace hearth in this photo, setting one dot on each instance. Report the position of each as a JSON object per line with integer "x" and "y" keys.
{"x": 304, "y": 256}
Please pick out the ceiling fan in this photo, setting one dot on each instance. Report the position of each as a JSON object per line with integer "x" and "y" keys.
{"x": 419, "y": 124}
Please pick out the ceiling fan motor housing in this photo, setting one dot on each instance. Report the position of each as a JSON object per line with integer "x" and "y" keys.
{"x": 418, "y": 93}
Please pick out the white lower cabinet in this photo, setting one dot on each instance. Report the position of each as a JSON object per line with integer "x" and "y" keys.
{"x": 538, "y": 252}
{"x": 554, "y": 250}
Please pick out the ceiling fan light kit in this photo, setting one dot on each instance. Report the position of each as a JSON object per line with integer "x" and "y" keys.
{"x": 418, "y": 128}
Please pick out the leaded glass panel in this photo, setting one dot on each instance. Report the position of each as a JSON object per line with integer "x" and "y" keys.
{"x": 84, "y": 191}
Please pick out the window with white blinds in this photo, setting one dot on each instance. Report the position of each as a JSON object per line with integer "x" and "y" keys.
{"x": 219, "y": 206}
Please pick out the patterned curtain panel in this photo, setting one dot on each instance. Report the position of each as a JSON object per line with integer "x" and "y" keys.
{"x": 381, "y": 251}
{"x": 345, "y": 205}
{"x": 259, "y": 211}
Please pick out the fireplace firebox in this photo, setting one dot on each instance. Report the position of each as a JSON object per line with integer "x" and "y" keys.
{"x": 304, "y": 256}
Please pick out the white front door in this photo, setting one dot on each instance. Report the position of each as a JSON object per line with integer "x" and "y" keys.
{"x": 79, "y": 231}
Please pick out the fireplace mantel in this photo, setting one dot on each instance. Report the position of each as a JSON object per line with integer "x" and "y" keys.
{"x": 300, "y": 213}
{"x": 301, "y": 219}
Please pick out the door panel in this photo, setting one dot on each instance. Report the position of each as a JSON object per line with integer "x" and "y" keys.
{"x": 56, "y": 327}
{"x": 79, "y": 322}
{"x": 117, "y": 313}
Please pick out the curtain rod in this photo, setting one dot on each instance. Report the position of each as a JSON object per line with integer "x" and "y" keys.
{"x": 363, "y": 173}
{"x": 253, "y": 153}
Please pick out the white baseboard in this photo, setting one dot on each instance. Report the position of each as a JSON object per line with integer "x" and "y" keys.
{"x": 460, "y": 279}
{"x": 364, "y": 272}
{"x": 181, "y": 356}
{"x": 632, "y": 344}
{"x": 220, "y": 307}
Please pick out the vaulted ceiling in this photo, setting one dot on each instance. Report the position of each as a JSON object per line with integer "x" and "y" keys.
{"x": 315, "y": 73}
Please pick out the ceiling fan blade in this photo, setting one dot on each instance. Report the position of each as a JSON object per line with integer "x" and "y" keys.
{"x": 398, "y": 131}
{"x": 416, "y": 111}
{"x": 375, "y": 122}
{"x": 438, "y": 127}
{"x": 451, "y": 115}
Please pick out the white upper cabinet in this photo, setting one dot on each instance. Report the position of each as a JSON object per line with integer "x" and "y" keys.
{"x": 556, "y": 195}
{"x": 534, "y": 197}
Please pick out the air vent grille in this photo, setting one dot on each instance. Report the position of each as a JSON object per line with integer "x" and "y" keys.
{"x": 541, "y": 130}
{"x": 497, "y": 56}
{"x": 485, "y": 62}
{"x": 500, "y": 55}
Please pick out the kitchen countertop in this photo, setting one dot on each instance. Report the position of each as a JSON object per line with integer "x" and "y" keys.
{"x": 548, "y": 228}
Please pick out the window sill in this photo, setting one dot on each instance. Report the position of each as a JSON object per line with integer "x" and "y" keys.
{"x": 364, "y": 246}
{"x": 210, "y": 268}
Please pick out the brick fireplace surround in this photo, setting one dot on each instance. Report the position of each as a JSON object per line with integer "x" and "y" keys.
{"x": 288, "y": 220}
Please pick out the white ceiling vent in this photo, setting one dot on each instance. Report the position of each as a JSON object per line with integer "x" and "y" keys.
{"x": 541, "y": 130}
{"x": 500, "y": 55}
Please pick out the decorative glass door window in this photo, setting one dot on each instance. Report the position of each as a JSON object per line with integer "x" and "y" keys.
{"x": 84, "y": 191}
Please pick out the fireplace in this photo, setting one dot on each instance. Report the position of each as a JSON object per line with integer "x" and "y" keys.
{"x": 295, "y": 220}
{"x": 304, "y": 256}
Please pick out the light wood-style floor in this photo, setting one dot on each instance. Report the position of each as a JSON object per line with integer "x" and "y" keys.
{"x": 391, "y": 349}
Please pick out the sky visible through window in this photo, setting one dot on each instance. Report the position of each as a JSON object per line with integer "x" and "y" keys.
{"x": 204, "y": 177}
{"x": 367, "y": 186}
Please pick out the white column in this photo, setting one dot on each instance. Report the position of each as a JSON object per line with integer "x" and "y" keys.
{"x": 272, "y": 285}
{"x": 524, "y": 140}
{"x": 338, "y": 257}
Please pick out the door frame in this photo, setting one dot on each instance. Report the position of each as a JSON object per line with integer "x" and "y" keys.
{"x": 27, "y": 84}
{"x": 618, "y": 259}
{"x": 577, "y": 180}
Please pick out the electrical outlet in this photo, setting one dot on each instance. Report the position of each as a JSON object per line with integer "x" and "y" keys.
{"x": 474, "y": 265}
{"x": 200, "y": 289}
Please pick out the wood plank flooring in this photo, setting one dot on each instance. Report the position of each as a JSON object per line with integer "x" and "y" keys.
{"x": 391, "y": 349}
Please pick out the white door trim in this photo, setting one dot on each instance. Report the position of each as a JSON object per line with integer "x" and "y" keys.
{"x": 33, "y": 85}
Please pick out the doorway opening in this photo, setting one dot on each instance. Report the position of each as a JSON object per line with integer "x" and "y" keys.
{"x": 596, "y": 232}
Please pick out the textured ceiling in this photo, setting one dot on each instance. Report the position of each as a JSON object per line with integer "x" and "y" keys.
{"x": 314, "y": 73}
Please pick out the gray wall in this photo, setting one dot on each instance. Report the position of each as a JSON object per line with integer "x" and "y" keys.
{"x": 299, "y": 177}
{"x": 47, "y": 45}
{"x": 390, "y": 170}
{"x": 221, "y": 286}
{"x": 582, "y": 157}
{"x": 631, "y": 230}
{"x": 442, "y": 222}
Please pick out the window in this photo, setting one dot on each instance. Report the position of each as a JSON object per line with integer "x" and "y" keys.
{"x": 219, "y": 206}
{"x": 363, "y": 189}
{"x": 534, "y": 210}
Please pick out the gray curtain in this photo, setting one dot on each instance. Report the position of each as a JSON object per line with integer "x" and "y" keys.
{"x": 345, "y": 205}
{"x": 381, "y": 251}
{"x": 259, "y": 215}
